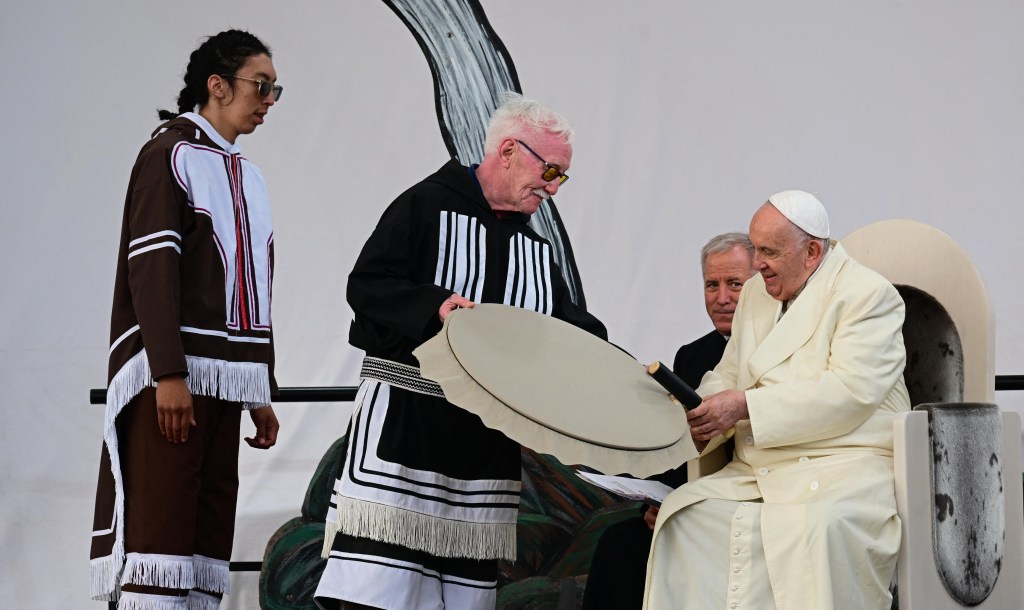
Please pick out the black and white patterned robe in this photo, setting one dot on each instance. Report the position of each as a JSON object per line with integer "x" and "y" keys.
{"x": 422, "y": 473}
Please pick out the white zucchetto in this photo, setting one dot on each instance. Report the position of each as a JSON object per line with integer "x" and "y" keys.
{"x": 804, "y": 210}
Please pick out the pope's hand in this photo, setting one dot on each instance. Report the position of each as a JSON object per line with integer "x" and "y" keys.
{"x": 717, "y": 414}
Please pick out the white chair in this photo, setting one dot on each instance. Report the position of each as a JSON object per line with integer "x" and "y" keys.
{"x": 950, "y": 560}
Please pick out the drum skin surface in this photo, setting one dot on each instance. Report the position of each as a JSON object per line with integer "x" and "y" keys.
{"x": 564, "y": 378}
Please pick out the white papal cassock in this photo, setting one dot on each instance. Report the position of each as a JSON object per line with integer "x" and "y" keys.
{"x": 804, "y": 516}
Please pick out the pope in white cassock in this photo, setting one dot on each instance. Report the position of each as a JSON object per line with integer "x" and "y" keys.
{"x": 804, "y": 516}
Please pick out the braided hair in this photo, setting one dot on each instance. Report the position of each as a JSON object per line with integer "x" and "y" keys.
{"x": 221, "y": 54}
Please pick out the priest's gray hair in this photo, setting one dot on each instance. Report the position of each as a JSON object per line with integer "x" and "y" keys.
{"x": 519, "y": 117}
{"x": 725, "y": 242}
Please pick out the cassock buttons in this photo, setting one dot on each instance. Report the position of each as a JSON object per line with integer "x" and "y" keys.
{"x": 749, "y": 440}
{"x": 814, "y": 486}
{"x": 762, "y": 471}
{"x": 804, "y": 458}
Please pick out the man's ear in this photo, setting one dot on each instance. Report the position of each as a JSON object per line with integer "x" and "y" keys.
{"x": 814, "y": 249}
{"x": 506, "y": 150}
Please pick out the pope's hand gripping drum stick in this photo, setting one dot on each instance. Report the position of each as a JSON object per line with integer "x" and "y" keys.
{"x": 683, "y": 393}
{"x": 677, "y": 389}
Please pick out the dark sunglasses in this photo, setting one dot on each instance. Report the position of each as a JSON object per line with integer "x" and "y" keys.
{"x": 263, "y": 87}
{"x": 551, "y": 171}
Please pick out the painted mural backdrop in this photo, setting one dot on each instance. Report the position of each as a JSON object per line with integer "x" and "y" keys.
{"x": 471, "y": 69}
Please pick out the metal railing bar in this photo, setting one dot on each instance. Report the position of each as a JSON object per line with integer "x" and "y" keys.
{"x": 98, "y": 396}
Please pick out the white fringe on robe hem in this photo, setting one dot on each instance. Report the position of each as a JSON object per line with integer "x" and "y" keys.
{"x": 330, "y": 533}
{"x": 244, "y": 382}
{"x": 104, "y": 571}
{"x": 202, "y": 601}
{"x": 143, "y": 601}
{"x": 211, "y": 574}
{"x": 434, "y": 535}
{"x": 168, "y": 571}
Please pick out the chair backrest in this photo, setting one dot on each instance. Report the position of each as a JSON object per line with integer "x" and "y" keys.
{"x": 940, "y": 285}
{"x": 935, "y": 355}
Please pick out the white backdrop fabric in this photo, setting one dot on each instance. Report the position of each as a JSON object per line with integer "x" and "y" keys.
{"x": 689, "y": 114}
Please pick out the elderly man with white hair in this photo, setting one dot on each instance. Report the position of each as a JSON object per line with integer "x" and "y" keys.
{"x": 804, "y": 516}
{"x": 427, "y": 498}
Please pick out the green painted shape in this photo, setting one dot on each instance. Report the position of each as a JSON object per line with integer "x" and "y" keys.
{"x": 292, "y": 566}
{"x": 321, "y": 485}
{"x": 540, "y": 593}
{"x": 552, "y": 488}
{"x": 575, "y": 559}
{"x": 538, "y": 537}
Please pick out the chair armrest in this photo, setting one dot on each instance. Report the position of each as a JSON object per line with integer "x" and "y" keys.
{"x": 707, "y": 464}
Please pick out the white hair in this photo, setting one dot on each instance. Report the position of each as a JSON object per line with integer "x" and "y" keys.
{"x": 518, "y": 116}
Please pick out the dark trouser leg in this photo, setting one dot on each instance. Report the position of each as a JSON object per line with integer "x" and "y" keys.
{"x": 167, "y": 505}
{"x": 161, "y": 486}
{"x": 618, "y": 571}
{"x": 218, "y": 496}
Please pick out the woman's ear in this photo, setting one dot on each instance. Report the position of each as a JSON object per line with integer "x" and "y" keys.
{"x": 218, "y": 87}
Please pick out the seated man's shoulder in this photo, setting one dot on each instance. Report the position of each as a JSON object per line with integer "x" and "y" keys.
{"x": 709, "y": 340}
{"x": 698, "y": 357}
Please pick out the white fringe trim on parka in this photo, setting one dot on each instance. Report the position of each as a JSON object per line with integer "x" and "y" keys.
{"x": 212, "y": 575}
{"x": 244, "y": 382}
{"x": 202, "y": 601}
{"x": 144, "y": 601}
{"x": 434, "y": 535}
{"x": 153, "y": 570}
